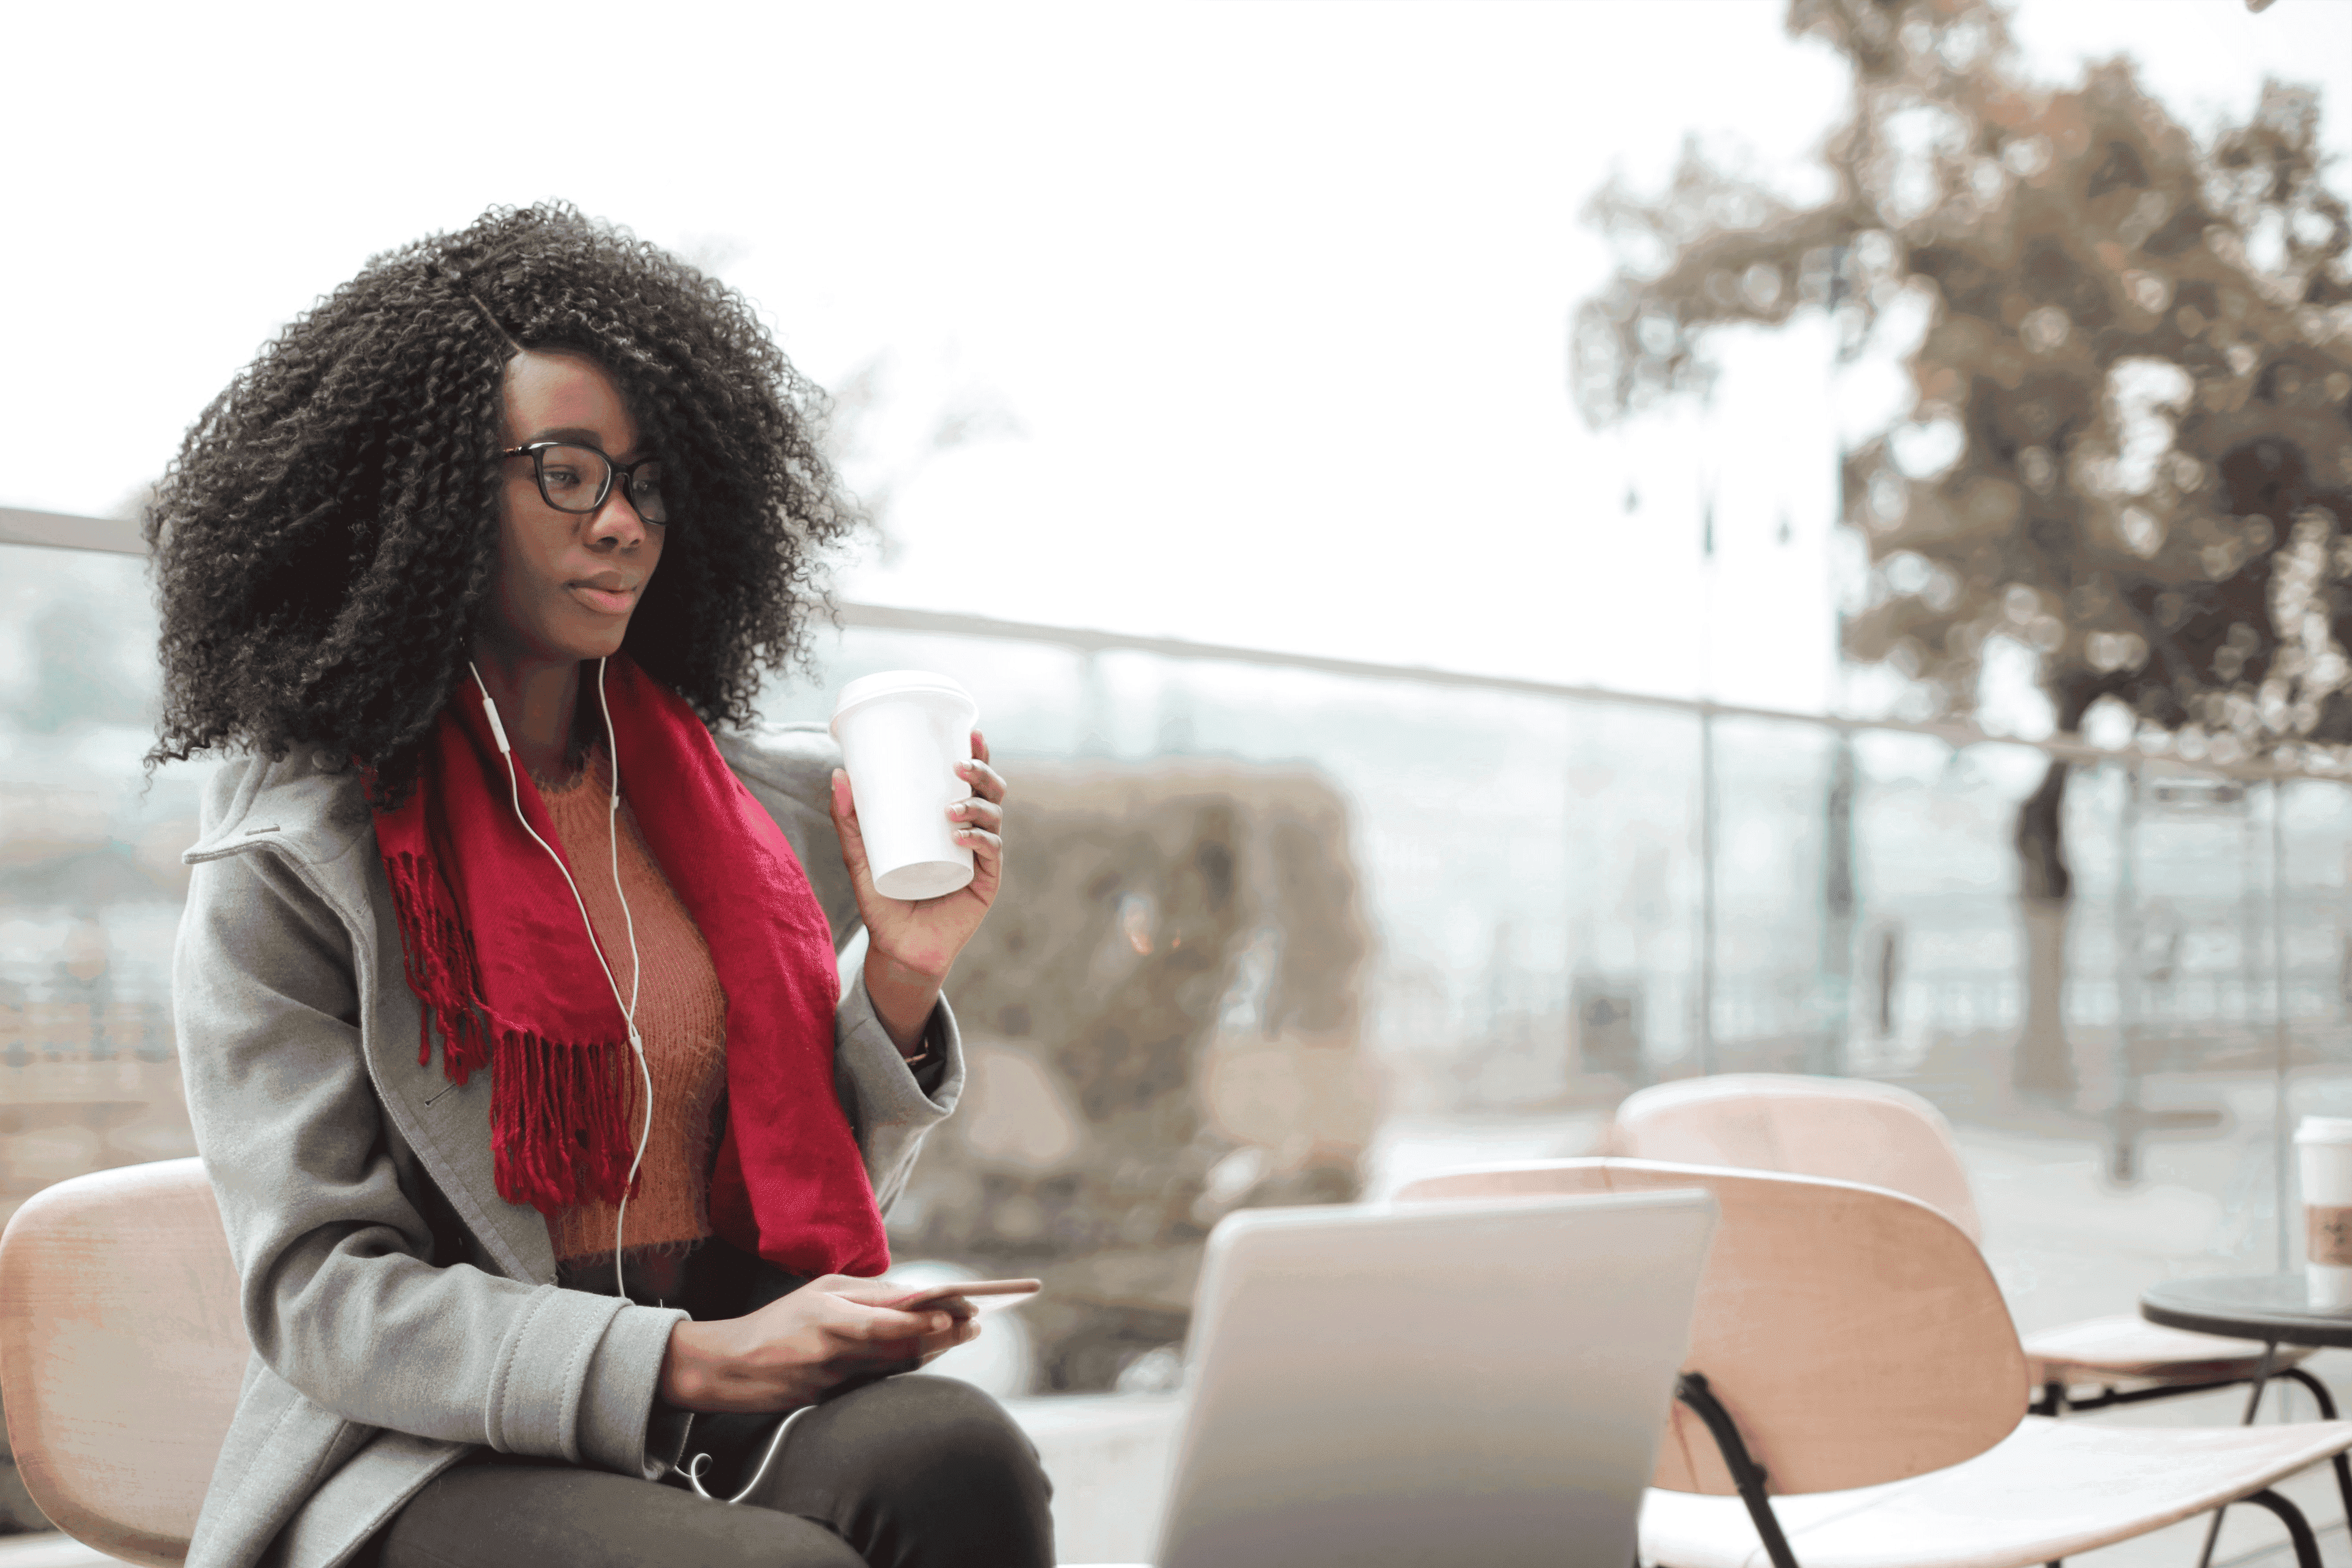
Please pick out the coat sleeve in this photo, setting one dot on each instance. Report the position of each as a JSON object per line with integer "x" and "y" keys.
{"x": 788, "y": 770}
{"x": 339, "y": 1292}
{"x": 891, "y": 1106}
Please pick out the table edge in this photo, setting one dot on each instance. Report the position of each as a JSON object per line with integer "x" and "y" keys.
{"x": 2331, "y": 1334}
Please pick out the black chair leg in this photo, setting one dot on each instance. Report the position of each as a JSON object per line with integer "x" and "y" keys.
{"x": 1746, "y": 1473}
{"x": 2298, "y": 1530}
{"x": 2070, "y": 1401}
{"x": 2320, "y": 1394}
{"x": 2253, "y": 1403}
{"x": 2326, "y": 1403}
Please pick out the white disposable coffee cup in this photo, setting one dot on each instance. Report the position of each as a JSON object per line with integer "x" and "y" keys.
{"x": 902, "y": 732}
{"x": 2323, "y": 1145}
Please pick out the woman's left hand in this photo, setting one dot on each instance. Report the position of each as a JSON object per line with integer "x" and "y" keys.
{"x": 911, "y": 946}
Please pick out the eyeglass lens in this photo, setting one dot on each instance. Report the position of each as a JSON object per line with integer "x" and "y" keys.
{"x": 574, "y": 478}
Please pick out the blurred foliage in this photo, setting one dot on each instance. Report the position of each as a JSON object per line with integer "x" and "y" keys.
{"x": 887, "y": 422}
{"x": 2129, "y": 450}
{"x": 2131, "y": 447}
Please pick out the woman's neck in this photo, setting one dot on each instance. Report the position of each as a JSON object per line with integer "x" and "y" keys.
{"x": 538, "y": 700}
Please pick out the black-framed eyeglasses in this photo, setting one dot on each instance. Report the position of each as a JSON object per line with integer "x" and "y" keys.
{"x": 577, "y": 478}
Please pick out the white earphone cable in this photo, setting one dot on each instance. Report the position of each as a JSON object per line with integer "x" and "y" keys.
{"x": 629, "y": 1007}
{"x": 636, "y": 971}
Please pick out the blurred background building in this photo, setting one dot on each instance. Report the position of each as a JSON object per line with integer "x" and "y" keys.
{"x": 1508, "y": 554}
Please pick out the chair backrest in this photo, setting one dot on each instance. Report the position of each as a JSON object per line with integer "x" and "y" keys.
{"x": 1854, "y": 1334}
{"x": 1846, "y": 1129}
{"x": 121, "y": 1353}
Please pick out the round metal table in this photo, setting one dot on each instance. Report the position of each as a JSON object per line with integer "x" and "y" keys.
{"x": 2272, "y": 1308}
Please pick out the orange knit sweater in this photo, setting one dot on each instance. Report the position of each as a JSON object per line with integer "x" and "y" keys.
{"x": 682, "y": 1018}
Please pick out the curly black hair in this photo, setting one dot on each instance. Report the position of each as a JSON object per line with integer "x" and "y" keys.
{"x": 324, "y": 543}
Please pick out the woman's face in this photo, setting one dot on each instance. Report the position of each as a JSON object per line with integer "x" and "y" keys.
{"x": 567, "y": 582}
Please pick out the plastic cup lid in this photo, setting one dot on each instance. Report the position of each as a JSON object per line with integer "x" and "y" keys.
{"x": 899, "y": 683}
{"x": 2324, "y": 1129}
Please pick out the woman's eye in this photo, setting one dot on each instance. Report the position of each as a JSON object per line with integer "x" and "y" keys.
{"x": 562, "y": 478}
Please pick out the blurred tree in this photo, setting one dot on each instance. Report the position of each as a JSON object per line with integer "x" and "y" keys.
{"x": 2130, "y": 451}
{"x": 882, "y": 441}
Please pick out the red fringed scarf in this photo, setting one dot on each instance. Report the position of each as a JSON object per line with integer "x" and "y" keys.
{"x": 498, "y": 954}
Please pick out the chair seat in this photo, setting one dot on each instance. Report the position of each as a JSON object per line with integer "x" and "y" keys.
{"x": 2049, "y": 1490}
{"x": 2129, "y": 1346}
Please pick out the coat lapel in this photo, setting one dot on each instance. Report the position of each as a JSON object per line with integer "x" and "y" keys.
{"x": 447, "y": 1126}
{"x": 320, "y": 822}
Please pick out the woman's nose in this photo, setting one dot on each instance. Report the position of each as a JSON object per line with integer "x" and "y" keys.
{"x": 616, "y": 521}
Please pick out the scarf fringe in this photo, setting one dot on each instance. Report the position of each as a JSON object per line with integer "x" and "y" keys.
{"x": 562, "y": 1120}
{"x": 563, "y": 1115}
{"x": 437, "y": 958}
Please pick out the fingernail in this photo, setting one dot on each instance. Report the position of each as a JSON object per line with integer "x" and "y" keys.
{"x": 941, "y": 1322}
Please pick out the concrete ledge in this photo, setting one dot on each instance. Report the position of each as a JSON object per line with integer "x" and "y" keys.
{"x": 1109, "y": 1457}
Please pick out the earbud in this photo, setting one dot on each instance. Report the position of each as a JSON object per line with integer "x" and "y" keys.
{"x": 636, "y": 964}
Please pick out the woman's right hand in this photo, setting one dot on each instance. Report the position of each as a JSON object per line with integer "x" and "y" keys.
{"x": 798, "y": 1348}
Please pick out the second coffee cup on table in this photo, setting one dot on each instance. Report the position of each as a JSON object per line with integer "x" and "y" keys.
{"x": 2324, "y": 1149}
{"x": 902, "y": 732}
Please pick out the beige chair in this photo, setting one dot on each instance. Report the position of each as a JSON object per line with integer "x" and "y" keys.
{"x": 1853, "y": 1131}
{"x": 1855, "y": 1397}
{"x": 121, "y": 1353}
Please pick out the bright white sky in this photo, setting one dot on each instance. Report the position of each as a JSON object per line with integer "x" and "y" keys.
{"x": 1272, "y": 299}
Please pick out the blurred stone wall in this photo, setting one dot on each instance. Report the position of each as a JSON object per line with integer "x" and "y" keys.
{"x": 1161, "y": 1015}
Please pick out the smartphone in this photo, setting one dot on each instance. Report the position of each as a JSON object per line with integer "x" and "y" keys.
{"x": 982, "y": 1295}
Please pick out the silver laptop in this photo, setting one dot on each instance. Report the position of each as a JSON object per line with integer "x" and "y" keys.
{"x": 1442, "y": 1383}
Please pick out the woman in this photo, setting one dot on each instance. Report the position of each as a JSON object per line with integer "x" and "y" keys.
{"x": 551, "y": 1118}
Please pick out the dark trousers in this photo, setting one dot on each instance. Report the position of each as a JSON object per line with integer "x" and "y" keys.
{"x": 908, "y": 1472}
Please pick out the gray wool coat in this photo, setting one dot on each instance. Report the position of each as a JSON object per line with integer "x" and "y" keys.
{"x": 401, "y": 1313}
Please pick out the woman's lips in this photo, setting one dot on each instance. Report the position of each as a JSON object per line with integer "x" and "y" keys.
{"x": 605, "y": 601}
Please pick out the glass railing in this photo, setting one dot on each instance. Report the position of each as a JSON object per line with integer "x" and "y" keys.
{"x": 1284, "y": 928}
